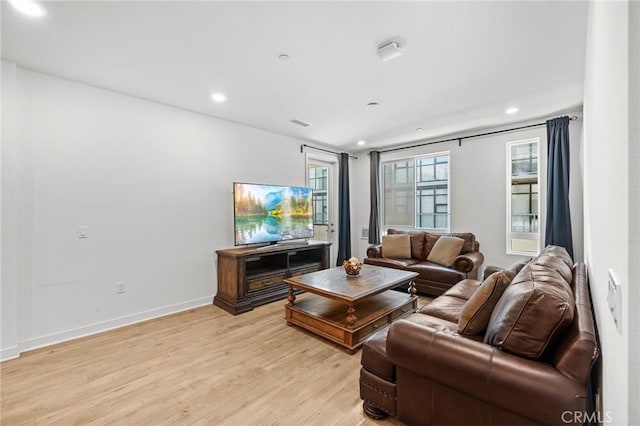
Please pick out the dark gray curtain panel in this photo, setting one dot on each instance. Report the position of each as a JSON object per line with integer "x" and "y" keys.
{"x": 558, "y": 229}
{"x": 374, "y": 215}
{"x": 344, "y": 213}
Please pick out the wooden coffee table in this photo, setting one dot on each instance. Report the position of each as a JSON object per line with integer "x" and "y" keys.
{"x": 346, "y": 310}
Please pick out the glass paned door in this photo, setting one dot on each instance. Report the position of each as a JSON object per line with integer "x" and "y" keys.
{"x": 322, "y": 179}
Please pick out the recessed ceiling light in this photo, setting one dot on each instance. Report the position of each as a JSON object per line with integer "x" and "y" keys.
{"x": 373, "y": 105}
{"x": 419, "y": 129}
{"x": 283, "y": 57}
{"x": 218, "y": 97}
{"x": 361, "y": 142}
{"x": 29, "y": 7}
{"x": 511, "y": 110}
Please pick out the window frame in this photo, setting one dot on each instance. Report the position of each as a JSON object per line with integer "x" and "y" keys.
{"x": 510, "y": 234}
{"x": 415, "y": 190}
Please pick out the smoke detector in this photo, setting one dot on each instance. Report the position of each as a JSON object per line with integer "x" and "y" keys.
{"x": 388, "y": 50}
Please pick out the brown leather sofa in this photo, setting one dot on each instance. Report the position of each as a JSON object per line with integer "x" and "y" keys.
{"x": 433, "y": 279}
{"x": 422, "y": 371}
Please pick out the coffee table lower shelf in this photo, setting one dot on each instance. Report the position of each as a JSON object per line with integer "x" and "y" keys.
{"x": 328, "y": 318}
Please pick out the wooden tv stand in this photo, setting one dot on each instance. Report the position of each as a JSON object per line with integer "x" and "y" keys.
{"x": 253, "y": 276}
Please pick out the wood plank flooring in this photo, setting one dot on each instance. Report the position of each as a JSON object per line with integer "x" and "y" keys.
{"x": 199, "y": 367}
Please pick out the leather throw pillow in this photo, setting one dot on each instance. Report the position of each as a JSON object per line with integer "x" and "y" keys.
{"x": 532, "y": 313}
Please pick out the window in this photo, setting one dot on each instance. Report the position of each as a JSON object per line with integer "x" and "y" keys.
{"x": 416, "y": 192}
{"x": 523, "y": 233}
{"x": 318, "y": 179}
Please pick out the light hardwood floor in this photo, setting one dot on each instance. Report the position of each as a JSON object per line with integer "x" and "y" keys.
{"x": 202, "y": 367}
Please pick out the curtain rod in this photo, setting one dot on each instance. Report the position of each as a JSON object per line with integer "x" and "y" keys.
{"x": 322, "y": 149}
{"x": 459, "y": 139}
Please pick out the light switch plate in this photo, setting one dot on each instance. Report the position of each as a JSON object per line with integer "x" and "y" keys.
{"x": 83, "y": 231}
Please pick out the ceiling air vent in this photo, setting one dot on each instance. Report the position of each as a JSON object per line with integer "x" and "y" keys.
{"x": 300, "y": 123}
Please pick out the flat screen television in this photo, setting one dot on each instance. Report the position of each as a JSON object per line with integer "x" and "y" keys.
{"x": 271, "y": 213}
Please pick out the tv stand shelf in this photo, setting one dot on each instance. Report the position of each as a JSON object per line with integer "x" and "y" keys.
{"x": 253, "y": 276}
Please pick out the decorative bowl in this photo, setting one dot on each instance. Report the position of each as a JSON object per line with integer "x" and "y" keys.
{"x": 352, "y": 266}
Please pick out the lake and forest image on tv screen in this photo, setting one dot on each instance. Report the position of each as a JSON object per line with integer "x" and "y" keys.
{"x": 271, "y": 213}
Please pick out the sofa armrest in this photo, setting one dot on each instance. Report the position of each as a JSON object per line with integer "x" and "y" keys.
{"x": 468, "y": 262}
{"x": 534, "y": 389}
{"x": 374, "y": 251}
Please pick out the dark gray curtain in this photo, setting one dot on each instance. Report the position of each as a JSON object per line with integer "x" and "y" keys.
{"x": 374, "y": 215}
{"x": 558, "y": 230}
{"x": 344, "y": 214}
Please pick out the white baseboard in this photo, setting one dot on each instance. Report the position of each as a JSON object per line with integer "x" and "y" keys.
{"x": 9, "y": 353}
{"x": 99, "y": 327}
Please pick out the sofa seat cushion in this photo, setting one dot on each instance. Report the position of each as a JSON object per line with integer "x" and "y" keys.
{"x": 433, "y": 272}
{"x": 445, "y": 307}
{"x": 464, "y": 289}
{"x": 438, "y": 324}
{"x": 532, "y": 313}
{"x": 391, "y": 263}
{"x": 374, "y": 356}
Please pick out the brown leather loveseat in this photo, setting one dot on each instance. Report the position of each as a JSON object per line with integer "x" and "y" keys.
{"x": 433, "y": 278}
{"x": 529, "y": 365}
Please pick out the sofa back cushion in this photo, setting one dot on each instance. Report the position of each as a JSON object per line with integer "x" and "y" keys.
{"x": 475, "y": 314}
{"x": 470, "y": 243}
{"x": 422, "y": 242}
{"x": 397, "y": 246}
{"x": 578, "y": 349}
{"x": 532, "y": 313}
{"x": 559, "y": 252}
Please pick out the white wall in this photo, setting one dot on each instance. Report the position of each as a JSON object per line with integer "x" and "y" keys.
{"x": 634, "y": 210}
{"x": 609, "y": 216}
{"x": 152, "y": 183}
{"x": 8, "y": 289}
{"x": 478, "y": 188}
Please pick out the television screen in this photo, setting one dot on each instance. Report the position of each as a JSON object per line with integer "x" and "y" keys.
{"x": 271, "y": 213}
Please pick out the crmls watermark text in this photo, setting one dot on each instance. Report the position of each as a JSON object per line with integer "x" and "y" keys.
{"x": 586, "y": 417}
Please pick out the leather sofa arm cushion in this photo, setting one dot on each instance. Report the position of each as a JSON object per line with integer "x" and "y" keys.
{"x": 533, "y": 388}
{"x": 468, "y": 262}
{"x": 374, "y": 251}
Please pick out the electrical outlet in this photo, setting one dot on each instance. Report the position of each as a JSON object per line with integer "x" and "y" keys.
{"x": 120, "y": 287}
{"x": 83, "y": 231}
{"x": 365, "y": 233}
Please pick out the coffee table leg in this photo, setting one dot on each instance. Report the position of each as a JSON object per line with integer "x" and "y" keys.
{"x": 351, "y": 318}
{"x": 412, "y": 288}
{"x": 291, "y": 297}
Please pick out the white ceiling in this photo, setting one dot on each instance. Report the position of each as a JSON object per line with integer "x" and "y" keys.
{"x": 463, "y": 63}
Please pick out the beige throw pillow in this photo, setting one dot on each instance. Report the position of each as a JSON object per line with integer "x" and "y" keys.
{"x": 396, "y": 246}
{"x": 475, "y": 314}
{"x": 445, "y": 250}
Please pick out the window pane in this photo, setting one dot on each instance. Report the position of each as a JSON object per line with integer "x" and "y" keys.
{"x": 398, "y": 193}
{"x": 414, "y": 190}
{"x": 442, "y": 171}
{"x": 523, "y": 198}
